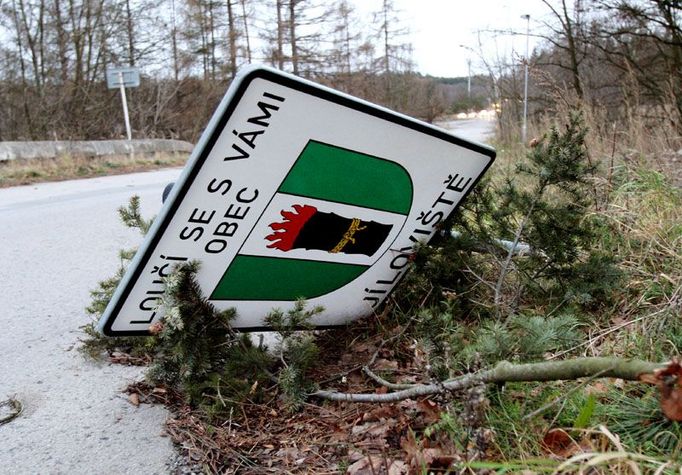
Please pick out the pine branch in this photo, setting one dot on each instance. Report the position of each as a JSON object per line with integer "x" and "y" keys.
{"x": 506, "y": 372}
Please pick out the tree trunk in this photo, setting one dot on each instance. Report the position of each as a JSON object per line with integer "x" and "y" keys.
{"x": 292, "y": 35}
{"x": 211, "y": 32}
{"x": 129, "y": 31}
{"x": 31, "y": 41}
{"x": 174, "y": 42}
{"x": 22, "y": 67}
{"x": 231, "y": 39}
{"x": 572, "y": 51}
{"x": 246, "y": 31}
{"x": 61, "y": 43}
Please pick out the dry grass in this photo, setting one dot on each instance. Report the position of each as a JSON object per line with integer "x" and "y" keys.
{"x": 66, "y": 167}
{"x": 641, "y": 136}
{"x": 639, "y": 202}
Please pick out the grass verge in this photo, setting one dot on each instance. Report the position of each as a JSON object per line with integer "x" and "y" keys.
{"x": 67, "y": 167}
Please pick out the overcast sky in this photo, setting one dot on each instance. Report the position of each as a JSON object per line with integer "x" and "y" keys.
{"x": 438, "y": 27}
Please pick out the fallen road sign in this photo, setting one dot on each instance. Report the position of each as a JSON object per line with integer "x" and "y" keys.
{"x": 298, "y": 191}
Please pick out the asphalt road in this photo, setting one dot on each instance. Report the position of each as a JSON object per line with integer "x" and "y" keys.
{"x": 477, "y": 130}
{"x": 57, "y": 240}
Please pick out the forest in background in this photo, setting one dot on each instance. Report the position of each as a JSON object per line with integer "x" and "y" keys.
{"x": 622, "y": 58}
{"x": 52, "y": 69}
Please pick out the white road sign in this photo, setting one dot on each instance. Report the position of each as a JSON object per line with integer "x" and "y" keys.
{"x": 298, "y": 191}
{"x": 126, "y": 77}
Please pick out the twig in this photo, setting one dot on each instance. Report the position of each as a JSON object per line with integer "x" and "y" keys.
{"x": 16, "y": 408}
{"x": 378, "y": 379}
{"x": 507, "y": 372}
{"x": 371, "y": 360}
{"x": 479, "y": 278}
{"x": 510, "y": 254}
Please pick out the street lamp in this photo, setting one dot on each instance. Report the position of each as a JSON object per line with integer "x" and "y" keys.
{"x": 468, "y": 72}
{"x": 524, "y": 129}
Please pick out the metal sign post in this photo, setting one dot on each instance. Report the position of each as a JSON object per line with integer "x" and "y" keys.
{"x": 125, "y": 105}
{"x": 120, "y": 78}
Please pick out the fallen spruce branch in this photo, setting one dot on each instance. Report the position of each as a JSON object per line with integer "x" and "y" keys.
{"x": 506, "y": 372}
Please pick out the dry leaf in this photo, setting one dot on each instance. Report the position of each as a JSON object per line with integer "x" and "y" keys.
{"x": 430, "y": 411}
{"x": 134, "y": 399}
{"x": 398, "y": 467}
{"x": 419, "y": 457}
{"x": 381, "y": 412}
{"x": 383, "y": 364}
{"x": 410, "y": 445}
{"x": 671, "y": 391}
{"x": 433, "y": 458}
{"x": 155, "y": 328}
{"x": 596, "y": 388}
{"x": 364, "y": 347}
{"x": 669, "y": 382}
{"x": 649, "y": 378}
{"x": 373, "y": 465}
{"x": 558, "y": 442}
{"x": 366, "y": 466}
{"x": 374, "y": 430}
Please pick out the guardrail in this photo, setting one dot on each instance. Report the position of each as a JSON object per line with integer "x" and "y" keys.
{"x": 93, "y": 148}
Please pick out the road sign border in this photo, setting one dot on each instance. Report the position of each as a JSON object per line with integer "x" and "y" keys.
{"x": 208, "y": 140}
{"x": 122, "y": 70}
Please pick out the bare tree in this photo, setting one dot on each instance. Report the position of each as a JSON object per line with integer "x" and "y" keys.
{"x": 567, "y": 37}
{"x": 643, "y": 40}
{"x": 247, "y": 38}
{"x": 231, "y": 37}
{"x": 395, "y": 52}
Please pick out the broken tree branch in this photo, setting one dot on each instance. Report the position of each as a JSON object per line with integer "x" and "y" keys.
{"x": 378, "y": 379}
{"x": 577, "y": 368}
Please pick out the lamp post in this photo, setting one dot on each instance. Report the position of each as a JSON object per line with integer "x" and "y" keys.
{"x": 524, "y": 128}
{"x": 469, "y": 78}
{"x": 468, "y": 72}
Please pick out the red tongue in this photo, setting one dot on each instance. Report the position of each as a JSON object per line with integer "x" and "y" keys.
{"x": 287, "y": 231}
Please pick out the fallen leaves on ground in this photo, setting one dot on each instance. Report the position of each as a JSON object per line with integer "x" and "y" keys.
{"x": 335, "y": 437}
{"x": 119, "y": 357}
{"x": 324, "y": 437}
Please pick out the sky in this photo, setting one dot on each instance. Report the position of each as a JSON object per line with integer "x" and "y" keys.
{"x": 439, "y": 27}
